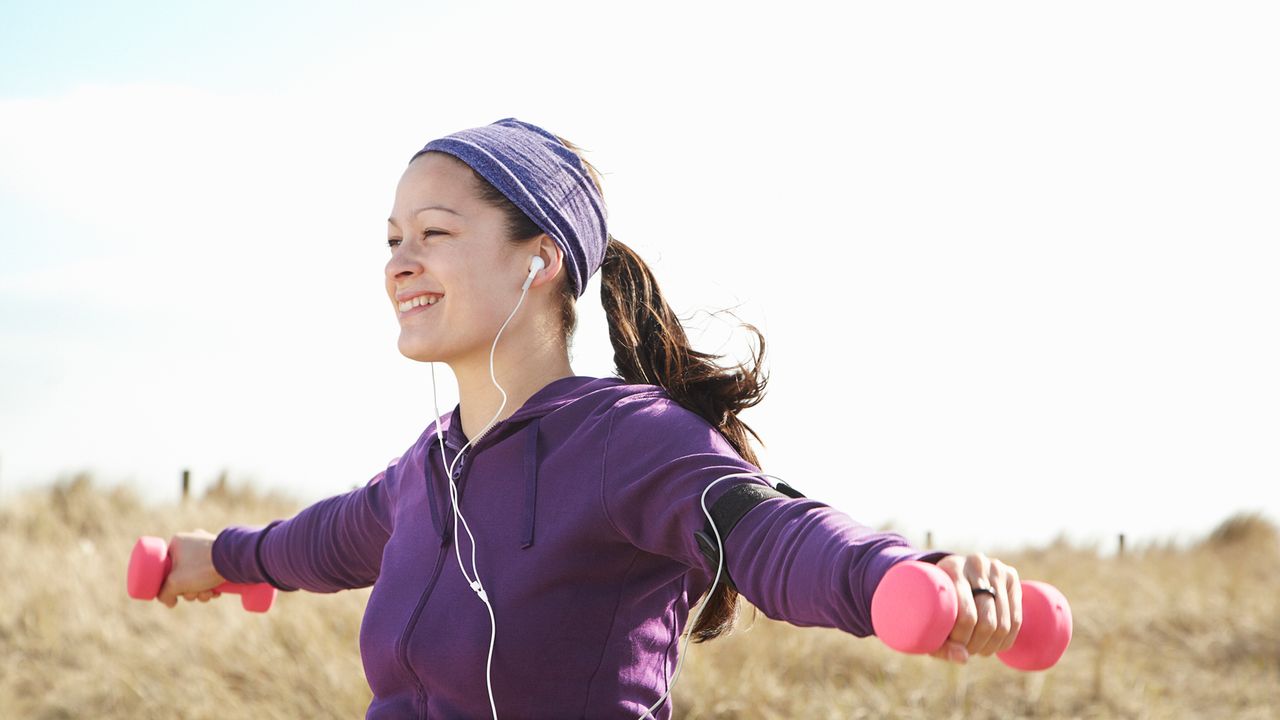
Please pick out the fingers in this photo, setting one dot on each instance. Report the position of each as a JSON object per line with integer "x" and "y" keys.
{"x": 178, "y": 583}
{"x": 167, "y": 595}
{"x": 993, "y": 612}
{"x": 1013, "y": 586}
{"x": 986, "y": 622}
{"x": 170, "y": 598}
{"x": 982, "y": 616}
{"x": 995, "y": 628}
{"x": 966, "y": 615}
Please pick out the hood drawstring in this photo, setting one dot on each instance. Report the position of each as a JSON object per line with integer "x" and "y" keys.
{"x": 429, "y": 472}
{"x": 530, "y": 480}
{"x": 435, "y": 469}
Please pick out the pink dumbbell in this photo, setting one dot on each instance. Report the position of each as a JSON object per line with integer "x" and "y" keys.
{"x": 150, "y": 564}
{"x": 915, "y": 607}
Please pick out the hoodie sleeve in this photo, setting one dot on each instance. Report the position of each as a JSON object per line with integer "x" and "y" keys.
{"x": 797, "y": 559}
{"x": 334, "y": 544}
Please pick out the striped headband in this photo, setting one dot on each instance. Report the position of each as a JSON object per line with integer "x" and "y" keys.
{"x": 545, "y": 179}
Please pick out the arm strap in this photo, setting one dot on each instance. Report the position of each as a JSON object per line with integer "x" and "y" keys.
{"x": 728, "y": 510}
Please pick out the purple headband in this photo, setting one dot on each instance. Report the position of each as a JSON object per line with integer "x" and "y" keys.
{"x": 545, "y": 179}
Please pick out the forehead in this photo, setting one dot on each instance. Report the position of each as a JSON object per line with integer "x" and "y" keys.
{"x": 435, "y": 179}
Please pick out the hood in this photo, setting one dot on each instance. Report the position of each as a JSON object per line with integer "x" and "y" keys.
{"x": 552, "y": 396}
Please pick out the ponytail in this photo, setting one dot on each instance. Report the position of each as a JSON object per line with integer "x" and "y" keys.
{"x": 650, "y": 346}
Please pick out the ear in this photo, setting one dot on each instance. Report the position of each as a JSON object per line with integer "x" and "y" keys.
{"x": 552, "y": 255}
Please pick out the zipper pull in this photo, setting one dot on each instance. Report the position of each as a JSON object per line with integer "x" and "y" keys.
{"x": 459, "y": 461}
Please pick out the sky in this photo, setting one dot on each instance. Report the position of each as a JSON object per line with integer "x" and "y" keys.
{"x": 1015, "y": 263}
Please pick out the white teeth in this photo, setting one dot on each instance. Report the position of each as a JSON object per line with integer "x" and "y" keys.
{"x": 412, "y": 303}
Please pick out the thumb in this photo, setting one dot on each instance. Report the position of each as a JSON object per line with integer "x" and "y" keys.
{"x": 168, "y": 594}
{"x": 951, "y": 651}
{"x": 170, "y": 590}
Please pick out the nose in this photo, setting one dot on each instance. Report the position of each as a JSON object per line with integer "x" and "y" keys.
{"x": 402, "y": 264}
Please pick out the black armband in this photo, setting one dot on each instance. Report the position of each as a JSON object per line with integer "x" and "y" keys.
{"x": 727, "y": 511}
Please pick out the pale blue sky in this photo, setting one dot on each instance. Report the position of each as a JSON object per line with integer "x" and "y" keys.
{"x": 53, "y": 47}
{"x": 1015, "y": 263}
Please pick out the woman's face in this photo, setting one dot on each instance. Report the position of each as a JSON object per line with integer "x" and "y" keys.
{"x": 449, "y": 246}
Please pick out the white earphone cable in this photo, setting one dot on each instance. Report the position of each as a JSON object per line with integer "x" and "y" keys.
{"x": 476, "y": 585}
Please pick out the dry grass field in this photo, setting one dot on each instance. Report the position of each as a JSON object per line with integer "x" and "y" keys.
{"x": 1162, "y": 632}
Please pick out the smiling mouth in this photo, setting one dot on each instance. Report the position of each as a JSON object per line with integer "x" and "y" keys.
{"x": 415, "y": 310}
{"x": 417, "y": 304}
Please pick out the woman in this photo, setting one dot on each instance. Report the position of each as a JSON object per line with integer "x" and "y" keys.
{"x": 562, "y": 582}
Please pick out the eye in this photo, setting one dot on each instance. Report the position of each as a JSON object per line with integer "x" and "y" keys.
{"x": 392, "y": 242}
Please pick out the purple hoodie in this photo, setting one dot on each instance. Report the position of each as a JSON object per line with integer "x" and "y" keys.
{"x": 583, "y": 507}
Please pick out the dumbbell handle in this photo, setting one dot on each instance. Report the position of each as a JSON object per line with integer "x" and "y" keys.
{"x": 150, "y": 563}
{"x": 915, "y": 606}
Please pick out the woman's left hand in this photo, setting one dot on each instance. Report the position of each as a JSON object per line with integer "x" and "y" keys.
{"x": 985, "y": 625}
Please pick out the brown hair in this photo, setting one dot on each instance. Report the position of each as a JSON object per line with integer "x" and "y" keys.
{"x": 650, "y": 346}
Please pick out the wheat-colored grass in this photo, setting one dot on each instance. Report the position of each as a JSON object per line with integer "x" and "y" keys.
{"x": 1162, "y": 632}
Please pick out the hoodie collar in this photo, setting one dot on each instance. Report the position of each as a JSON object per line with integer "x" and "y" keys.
{"x": 561, "y": 391}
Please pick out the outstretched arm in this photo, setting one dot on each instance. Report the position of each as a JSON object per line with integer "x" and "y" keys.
{"x": 334, "y": 544}
{"x": 805, "y": 562}
{"x": 797, "y": 559}
{"x": 988, "y": 592}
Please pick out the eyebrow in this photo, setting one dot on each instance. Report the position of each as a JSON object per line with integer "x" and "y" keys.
{"x": 429, "y": 207}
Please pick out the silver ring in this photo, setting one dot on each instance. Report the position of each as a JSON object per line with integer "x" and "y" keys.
{"x": 985, "y": 591}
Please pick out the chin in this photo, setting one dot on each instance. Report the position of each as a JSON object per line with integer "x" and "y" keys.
{"x": 416, "y": 350}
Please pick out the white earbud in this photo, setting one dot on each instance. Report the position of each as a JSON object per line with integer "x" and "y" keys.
{"x": 534, "y": 266}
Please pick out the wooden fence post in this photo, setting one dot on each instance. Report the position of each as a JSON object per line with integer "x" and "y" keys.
{"x": 186, "y": 484}
{"x": 1120, "y": 548}
{"x": 928, "y": 540}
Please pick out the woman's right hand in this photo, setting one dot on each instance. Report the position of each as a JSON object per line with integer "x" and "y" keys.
{"x": 193, "y": 576}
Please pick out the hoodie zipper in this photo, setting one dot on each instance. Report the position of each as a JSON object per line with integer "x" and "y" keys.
{"x": 403, "y": 650}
